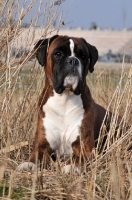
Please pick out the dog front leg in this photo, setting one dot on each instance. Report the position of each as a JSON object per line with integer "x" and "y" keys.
{"x": 82, "y": 152}
{"x": 40, "y": 156}
{"x": 41, "y": 153}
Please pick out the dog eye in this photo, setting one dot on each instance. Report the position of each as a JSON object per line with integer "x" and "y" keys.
{"x": 58, "y": 54}
{"x": 84, "y": 57}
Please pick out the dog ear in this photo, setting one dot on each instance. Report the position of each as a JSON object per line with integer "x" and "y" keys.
{"x": 41, "y": 49}
{"x": 93, "y": 55}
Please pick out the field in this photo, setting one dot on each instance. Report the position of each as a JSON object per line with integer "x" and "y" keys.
{"x": 108, "y": 176}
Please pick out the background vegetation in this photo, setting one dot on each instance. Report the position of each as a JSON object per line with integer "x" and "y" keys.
{"x": 109, "y": 175}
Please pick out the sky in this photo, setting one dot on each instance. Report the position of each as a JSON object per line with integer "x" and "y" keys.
{"x": 116, "y": 14}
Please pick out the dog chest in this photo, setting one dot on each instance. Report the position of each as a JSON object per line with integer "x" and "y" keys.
{"x": 62, "y": 121}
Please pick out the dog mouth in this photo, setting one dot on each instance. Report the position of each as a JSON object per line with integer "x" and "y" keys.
{"x": 71, "y": 82}
{"x": 68, "y": 78}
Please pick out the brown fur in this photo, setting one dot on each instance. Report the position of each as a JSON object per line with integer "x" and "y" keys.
{"x": 91, "y": 123}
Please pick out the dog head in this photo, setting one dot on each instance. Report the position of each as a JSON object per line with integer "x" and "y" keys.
{"x": 66, "y": 61}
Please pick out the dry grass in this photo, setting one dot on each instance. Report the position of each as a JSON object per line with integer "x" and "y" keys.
{"x": 109, "y": 175}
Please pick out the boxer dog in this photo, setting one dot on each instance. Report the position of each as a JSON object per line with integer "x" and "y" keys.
{"x": 69, "y": 120}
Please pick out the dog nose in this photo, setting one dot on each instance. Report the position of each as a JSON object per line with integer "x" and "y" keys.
{"x": 73, "y": 61}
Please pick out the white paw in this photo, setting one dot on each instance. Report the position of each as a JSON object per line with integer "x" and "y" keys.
{"x": 67, "y": 169}
{"x": 26, "y": 166}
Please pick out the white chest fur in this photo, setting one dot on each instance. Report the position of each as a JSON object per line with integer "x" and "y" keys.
{"x": 63, "y": 117}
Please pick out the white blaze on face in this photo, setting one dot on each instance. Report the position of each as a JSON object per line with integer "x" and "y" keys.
{"x": 72, "y": 47}
{"x": 70, "y": 80}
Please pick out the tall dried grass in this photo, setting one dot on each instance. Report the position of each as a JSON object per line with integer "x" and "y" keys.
{"x": 109, "y": 175}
